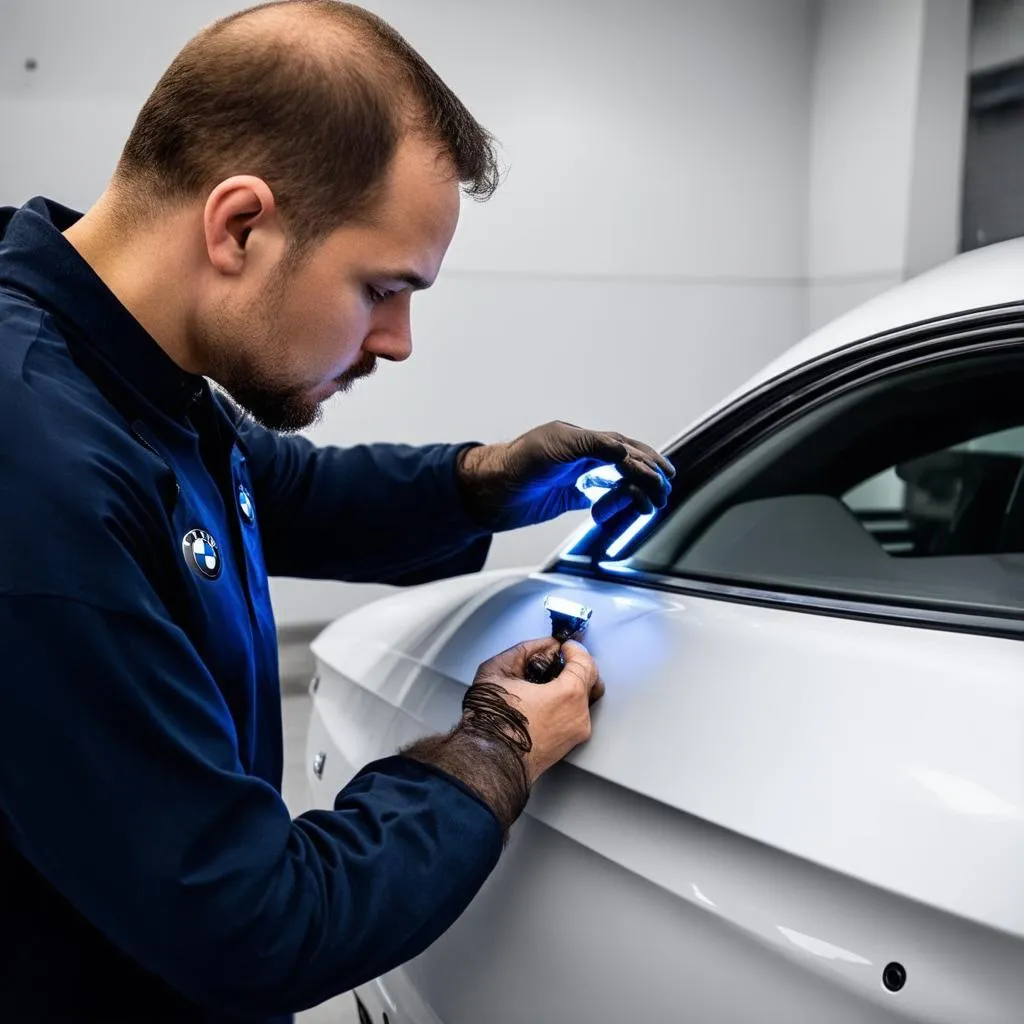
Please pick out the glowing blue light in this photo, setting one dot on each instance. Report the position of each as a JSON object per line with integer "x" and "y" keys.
{"x": 576, "y": 541}
{"x": 619, "y": 568}
{"x": 628, "y": 534}
{"x": 598, "y": 482}
{"x": 594, "y": 485}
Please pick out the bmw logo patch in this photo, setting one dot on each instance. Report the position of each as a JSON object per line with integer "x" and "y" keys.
{"x": 200, "y": 551}
{"x": 245, "y": 504}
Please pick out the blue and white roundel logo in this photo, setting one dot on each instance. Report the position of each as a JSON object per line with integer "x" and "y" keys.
{"x": 245, "y": 504}
{"x": 200, "y": 551}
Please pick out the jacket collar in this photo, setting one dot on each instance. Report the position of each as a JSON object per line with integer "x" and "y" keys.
{"x": 37, "y": 260}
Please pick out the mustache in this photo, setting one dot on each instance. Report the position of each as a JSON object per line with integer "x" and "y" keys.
{"x": 366, "y": 367}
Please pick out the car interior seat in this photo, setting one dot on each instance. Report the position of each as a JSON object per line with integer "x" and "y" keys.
{"x": 965, "y": 498}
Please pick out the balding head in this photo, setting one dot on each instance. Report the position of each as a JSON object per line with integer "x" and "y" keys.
{"x": 311, "y": 96}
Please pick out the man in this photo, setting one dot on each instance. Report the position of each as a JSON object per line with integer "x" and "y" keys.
{"x": 292, "y": 179}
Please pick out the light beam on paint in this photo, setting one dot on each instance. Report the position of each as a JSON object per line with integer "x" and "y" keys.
{"x": 704, "y": 899}
{"x": 619, "y": 568}
{"x": 966, "y": 797}
{"x": 819, "y": 947}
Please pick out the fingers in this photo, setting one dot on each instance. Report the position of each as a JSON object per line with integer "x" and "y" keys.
{"x": 650, "y": 454}
{"x": 624, "y": 498}
{"x": 614, "y": 447}
{"x": 581, "y": 669}
{"x": 528, "y": 661}
{"x": 617, "y": 500}
{"x": 641, "y": 466}
{"x": 557, "y": 714}
{"x": 606, "y": 446}
{"x": 637, "y": 469}
{"x": 646, "y": 474}
{"x": 515, "y": 660}
{"x": 542, "y": 668}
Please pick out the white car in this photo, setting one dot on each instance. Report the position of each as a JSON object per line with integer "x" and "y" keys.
{"x": 804, "y": 796}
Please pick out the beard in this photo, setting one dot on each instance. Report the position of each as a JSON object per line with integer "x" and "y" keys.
{"x": 272, "y": 402}
{"x": 365, "y": 367}
{"x": 282, "y": 407}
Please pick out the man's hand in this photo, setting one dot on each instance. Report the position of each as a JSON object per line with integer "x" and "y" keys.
{"x": 533, "y": 478}
{"x": 556, "y": 714}
{"x": 512, "y": 730}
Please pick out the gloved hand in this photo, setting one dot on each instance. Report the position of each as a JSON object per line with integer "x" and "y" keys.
{"x": 533, "y": 478}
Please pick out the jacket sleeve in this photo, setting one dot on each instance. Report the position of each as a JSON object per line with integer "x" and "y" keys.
{"x": 146, "y": 816}
{"x": 379, "y": 513}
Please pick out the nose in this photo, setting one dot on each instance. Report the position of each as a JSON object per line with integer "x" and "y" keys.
{"x": 390, "y": 334}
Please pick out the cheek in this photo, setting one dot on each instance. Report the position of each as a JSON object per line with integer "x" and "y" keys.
{"x": 327, "y": 336}
{"x": 339, "y": 333}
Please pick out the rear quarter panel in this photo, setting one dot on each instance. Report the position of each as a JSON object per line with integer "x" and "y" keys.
{"x": 774, "y": 806}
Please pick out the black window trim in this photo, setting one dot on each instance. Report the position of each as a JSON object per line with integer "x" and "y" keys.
{"x": 776, "y": 403}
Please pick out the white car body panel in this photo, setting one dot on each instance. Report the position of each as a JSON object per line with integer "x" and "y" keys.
{"x": 775, "y": 804}
{"x": 886, "y": 773}
{"x": 990, "y": 276}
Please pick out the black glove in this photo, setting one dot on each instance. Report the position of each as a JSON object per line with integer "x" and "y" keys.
{"x": 533, "y": 478}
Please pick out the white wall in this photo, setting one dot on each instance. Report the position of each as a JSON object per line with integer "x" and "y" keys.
{"x": 888, "y": 116}
{"x": 939, "y": 140}
{"x": 646, "y": 253}
{"x": 997, "y": 37}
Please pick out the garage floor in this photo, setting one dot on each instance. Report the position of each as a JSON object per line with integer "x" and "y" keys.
{"x": 296, "y": 714}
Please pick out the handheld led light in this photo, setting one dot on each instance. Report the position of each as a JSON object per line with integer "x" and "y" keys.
{"x": 594, "y": 486}
{"x": 598, "y": 482}
{"x": 567, "y": 617}
{"x": 569, "y": 620}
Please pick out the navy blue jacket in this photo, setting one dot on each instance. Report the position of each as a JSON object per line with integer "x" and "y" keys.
{"x": 149, "y": 869}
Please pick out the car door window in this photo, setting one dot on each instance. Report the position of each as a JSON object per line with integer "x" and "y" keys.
{"x": 910, "y": 490}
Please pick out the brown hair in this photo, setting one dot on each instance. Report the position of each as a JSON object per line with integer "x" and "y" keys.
{"x": 318, "y": 115}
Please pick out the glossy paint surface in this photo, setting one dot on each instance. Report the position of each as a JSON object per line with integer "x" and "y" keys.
{"x": 774, "y": 806}
{"x": 776, "y": 803}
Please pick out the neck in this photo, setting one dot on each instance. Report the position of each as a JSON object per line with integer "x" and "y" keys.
{"x": 145, "y": 270}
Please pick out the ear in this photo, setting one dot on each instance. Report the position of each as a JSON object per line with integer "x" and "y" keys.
{"x": 240, "y": 215}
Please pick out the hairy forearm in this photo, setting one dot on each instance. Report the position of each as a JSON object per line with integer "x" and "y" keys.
{"x": 487, "y": 751}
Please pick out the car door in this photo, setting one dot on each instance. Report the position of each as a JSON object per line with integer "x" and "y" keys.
{"x": 804, "y": 798}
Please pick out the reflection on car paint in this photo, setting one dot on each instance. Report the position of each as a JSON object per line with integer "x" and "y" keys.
{"x": 965, "y": 796}
{"x": 818, "y": 947}
{"x": 704, "y": 899}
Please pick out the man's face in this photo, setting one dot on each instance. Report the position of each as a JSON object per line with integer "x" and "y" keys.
{"x": 281, "y": 340}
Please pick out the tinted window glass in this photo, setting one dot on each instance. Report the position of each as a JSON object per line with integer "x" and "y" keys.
{"x": 908, "y": 491}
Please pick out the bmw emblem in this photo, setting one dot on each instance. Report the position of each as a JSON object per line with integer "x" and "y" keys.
{"x": 245, "y": 504}
{"x": 200, "y": 551}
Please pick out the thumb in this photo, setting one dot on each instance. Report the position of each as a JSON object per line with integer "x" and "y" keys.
{"x": 580, "y": 667}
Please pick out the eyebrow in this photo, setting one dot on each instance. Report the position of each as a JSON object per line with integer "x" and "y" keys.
{"x": 417, "y": 283}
